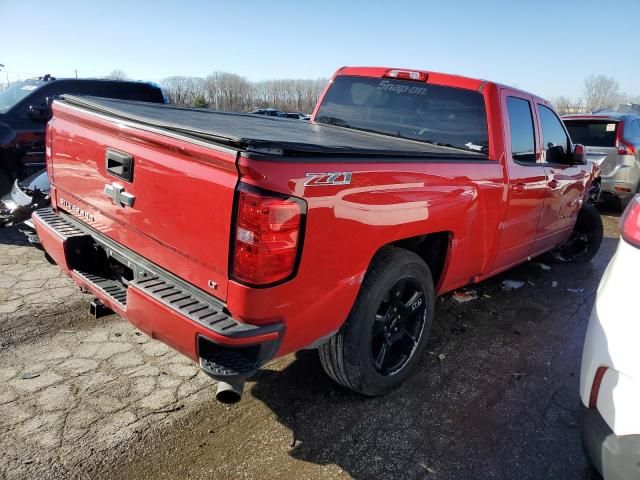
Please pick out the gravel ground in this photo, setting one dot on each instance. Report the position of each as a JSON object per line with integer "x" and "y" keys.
{"x": 496, "y": 396}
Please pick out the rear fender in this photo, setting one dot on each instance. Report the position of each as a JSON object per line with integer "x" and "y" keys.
{"x": 382, "y": 204}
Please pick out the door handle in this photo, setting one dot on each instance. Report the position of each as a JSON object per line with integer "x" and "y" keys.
{"x": 519, "y": 187}
{"x": 553, "y": 183}
{"x": 119, "y": 164}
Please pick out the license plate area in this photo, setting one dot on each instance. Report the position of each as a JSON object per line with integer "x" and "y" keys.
{"x": 107, "y": 269}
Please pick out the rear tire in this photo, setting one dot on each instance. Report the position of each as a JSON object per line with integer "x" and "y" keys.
{"x": 388, "y": 327}
{"x": 584, "y": 241}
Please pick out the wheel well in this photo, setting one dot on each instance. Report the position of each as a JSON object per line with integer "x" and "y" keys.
{"x": 432, "y": 248}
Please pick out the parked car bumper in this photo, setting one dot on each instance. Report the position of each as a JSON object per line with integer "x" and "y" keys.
{"x": 610, "y": 374}
{"x": 622, "y": 182}
{"x": 161, "y": 305}
{"x": 615, "y": 457}
{"x": 25, "y": 197}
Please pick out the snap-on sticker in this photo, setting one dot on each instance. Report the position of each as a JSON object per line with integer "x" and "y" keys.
{"x": 29, "y": 87}
{"x": 611, "y": 127}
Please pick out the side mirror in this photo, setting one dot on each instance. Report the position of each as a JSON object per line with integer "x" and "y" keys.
{"x": 40, "y": 113}
{"x": 556, "y": 154}
{"x": 579, "y": 154}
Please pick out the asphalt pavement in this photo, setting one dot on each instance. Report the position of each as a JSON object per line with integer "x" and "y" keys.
{"x": 495, "y": 396}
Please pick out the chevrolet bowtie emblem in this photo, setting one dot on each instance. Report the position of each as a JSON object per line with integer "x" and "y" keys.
{"x": 118, "y": 196}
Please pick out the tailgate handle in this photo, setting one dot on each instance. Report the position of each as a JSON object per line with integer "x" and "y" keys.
{"x": 119, "y": 164}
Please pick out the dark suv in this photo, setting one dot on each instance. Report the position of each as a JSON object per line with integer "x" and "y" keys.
{"x": 25, "y": 108}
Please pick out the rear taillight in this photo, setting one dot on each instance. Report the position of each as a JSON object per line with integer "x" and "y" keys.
{"x": 268, "y": 236}
{"x": 624, "y": 147}
{"x": 630, "y": 222}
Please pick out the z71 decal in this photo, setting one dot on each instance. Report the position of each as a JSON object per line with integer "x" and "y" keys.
{"x": 328, "y": 178}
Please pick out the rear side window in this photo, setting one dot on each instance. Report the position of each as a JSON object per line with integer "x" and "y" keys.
{"x": 523, "y": 145}
{"x": 434, "y": 114}
{"x": 593, "y": 133}
{"x": 553, "y": 135}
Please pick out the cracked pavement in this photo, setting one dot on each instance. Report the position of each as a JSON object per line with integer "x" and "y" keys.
{"x": 72, "y": 386}
{"x": 496, "y": 396}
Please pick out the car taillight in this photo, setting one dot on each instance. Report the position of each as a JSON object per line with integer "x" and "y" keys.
{"x": 268, "y": 236}
{"x": 624, "y": 147}
{"x": 630, "y": 222}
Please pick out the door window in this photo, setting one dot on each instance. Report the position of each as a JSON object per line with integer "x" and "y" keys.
{"x": 523, "y": 144}
{"x": 554, "y": 137}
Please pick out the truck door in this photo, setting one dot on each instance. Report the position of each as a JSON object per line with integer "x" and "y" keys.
{"x": 565, "y": 182}
{"x": 526, "y": 180}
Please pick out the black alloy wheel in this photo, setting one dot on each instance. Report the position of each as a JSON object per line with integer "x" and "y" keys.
{"x": 388, "y": 328}
{"x": 398, "y": 325}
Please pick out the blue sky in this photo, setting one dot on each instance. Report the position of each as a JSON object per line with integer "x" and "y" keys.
{"x": 542, "y": 46}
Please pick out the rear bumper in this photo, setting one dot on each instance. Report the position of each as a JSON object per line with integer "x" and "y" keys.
{"x": 25, "y": 196}
{"x": 615, "y": 457}
{"x": 622, "y": 182}
{"x": 160, "y": 304}
{"x": 15, "y": 206}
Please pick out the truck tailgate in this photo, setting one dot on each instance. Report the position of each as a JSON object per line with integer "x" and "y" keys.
{"x": 175, "y": 209}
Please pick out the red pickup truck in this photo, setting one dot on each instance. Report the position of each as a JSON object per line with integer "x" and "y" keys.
{"x": 236, "y": 238}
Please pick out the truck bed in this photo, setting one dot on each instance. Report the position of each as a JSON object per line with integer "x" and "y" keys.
{"x": 259, "y": 133}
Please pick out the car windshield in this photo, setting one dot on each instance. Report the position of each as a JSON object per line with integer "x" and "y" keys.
{"x": 434, "y": 114}
{"x": 593, "y": 133}
{"x": 16, "y": 92}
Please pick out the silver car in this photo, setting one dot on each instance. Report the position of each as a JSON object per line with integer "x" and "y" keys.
{"x": 612, "y": 140}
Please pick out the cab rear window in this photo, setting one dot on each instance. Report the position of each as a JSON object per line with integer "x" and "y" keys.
{"x": 434, "y": 114}
{"x": 593, "y": 133}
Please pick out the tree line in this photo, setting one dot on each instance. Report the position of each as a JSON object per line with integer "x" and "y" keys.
{"x": 598, "y": 92}
{"x": 231, "y": 92}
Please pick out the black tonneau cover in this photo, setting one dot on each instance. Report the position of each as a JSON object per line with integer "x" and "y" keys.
{"x": 261, "y": 133}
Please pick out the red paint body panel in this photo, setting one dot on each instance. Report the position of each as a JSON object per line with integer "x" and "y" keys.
{"x": 183, "y": 216}
{"x": 346, "y": 225}
{"x": 183, "y": 194}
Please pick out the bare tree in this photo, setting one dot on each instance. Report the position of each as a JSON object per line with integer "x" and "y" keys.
{"x": 290, "y": 95}
{"x": 565, "y": 105}
{"x": 234, "y": 93}
{"x": 184, "y": 90}
{"x": 228, "y": 91}
{"x": 117, "y": 75}
{"x": 600, "y": 91}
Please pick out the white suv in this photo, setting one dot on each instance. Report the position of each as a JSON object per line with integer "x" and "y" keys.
{"x": 610, "y": 375}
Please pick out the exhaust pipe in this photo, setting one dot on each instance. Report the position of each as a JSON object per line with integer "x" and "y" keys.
{"x": 230, "y": 393}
